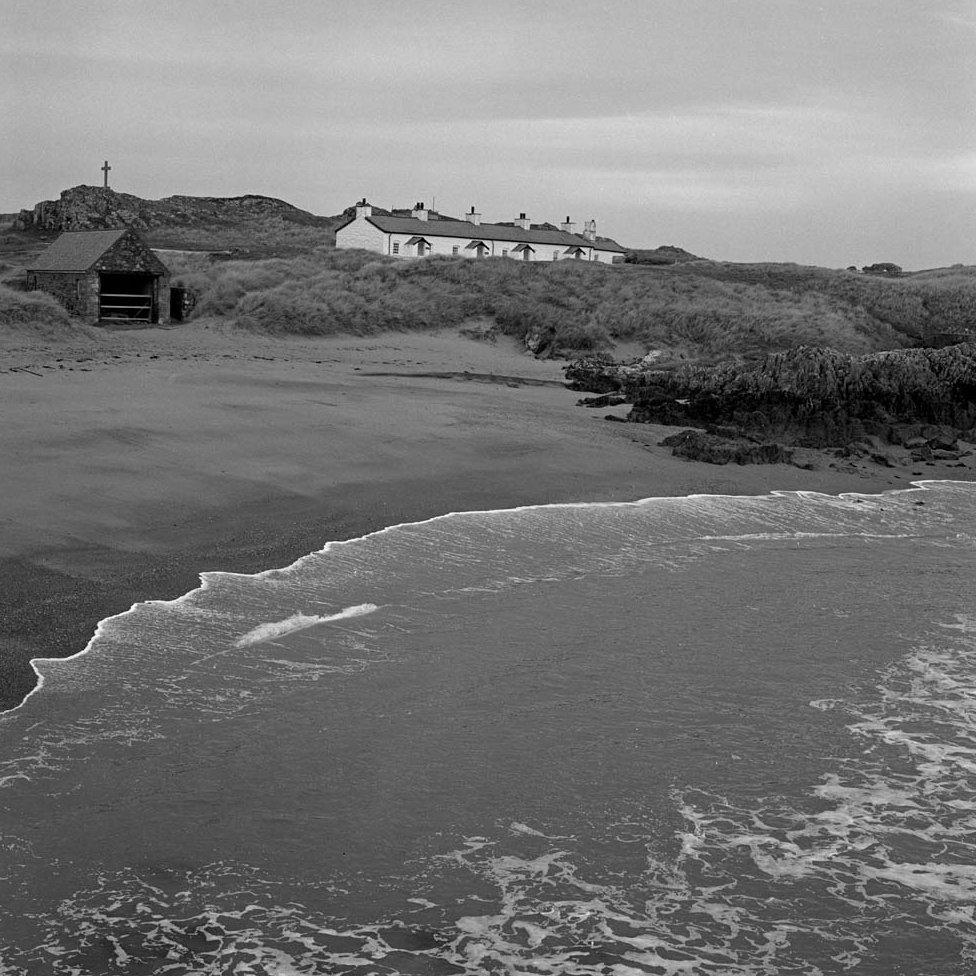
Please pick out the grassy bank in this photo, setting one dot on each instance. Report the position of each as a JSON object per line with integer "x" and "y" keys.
{"x": 692, "y": 311}
{"x": 35, "y": 314}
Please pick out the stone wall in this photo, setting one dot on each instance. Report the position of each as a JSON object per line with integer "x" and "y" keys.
{"x": 77, "y": 291}
{"x": 130, "y": 254}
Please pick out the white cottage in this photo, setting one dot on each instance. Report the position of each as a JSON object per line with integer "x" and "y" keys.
{"x": 420, "y": 232}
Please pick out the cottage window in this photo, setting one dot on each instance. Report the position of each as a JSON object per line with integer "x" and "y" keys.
{"x": 456, "y": 250}
{"x": 396, "y": 247}
{"x": 78, "y": 290}
{"x": 555, "y": 255}
{"x": 31, "y": 282}
{"x": 504, "y": 253}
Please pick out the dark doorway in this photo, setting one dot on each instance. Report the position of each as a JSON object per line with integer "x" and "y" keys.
{"x": 126, "y": 296}
{"x": 177, "y": 297}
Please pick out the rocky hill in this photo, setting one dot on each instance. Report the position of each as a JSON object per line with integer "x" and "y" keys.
{"x": 236, "y": 223}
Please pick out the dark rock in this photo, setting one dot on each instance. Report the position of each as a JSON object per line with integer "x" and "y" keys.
{"x": 940, "y": 437}
{"x": 697, "y": 445}
{"x": 604, "y": 400}
{"x": 539, "y": 342}
{"x": 480, "y": 333}
{"x": 923, "y": 453}
{"x": 593, "y": 376}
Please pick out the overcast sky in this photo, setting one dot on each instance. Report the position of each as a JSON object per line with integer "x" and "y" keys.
{"x": 828, "y": 133}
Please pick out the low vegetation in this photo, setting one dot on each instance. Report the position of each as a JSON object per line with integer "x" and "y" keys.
{"x": 942, "y": 301}
{"x": 694, "y": 310}
{"x": 34, "y": 313}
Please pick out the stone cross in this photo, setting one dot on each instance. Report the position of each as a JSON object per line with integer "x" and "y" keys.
{"x": 105, "y": 170}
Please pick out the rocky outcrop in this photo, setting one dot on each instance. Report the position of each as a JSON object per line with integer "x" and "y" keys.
{"x": 819, "y": 397}
{"x": 602, "y": 375}
{"x": 899, "y": 407}
{"x": 100, "y": 208}
{"x": 698, "y": 445}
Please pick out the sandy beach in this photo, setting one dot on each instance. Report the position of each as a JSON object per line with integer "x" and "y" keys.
{"x": 135, "y": 460}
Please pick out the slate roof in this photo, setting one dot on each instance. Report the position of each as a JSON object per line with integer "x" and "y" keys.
{"x": 76, "y": 250}
{"x": 449, "y": 227}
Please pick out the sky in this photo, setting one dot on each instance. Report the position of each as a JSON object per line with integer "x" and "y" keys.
{"x": 745, "y": 130}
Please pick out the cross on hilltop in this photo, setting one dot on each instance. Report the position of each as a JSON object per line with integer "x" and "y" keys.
{"x": 105, "y": 170}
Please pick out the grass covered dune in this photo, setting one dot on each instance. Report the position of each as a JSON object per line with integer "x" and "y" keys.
{"x": 691, "y": 311}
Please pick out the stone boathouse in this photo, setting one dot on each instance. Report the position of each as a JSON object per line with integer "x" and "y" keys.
{"x": 104, "y": 276}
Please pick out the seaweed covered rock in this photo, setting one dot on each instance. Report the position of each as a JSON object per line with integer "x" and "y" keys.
{"x": 595, "y": 376}
{"x": 603, "y": 400}
{"x": 699, "y": 445}
{"x": 820, "y": 397}
{"x": 601, "y": 374}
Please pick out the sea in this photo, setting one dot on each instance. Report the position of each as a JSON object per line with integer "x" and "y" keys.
{"x": 697, "y": 735}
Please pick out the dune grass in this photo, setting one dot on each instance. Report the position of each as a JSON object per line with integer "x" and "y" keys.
{"x": 692, "y": 311}
{"x": 914, "y": 305}
{"x": 35, "y": 314}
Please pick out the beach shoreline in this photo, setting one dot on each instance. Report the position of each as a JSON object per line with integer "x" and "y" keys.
{"x": 139, "y": 460}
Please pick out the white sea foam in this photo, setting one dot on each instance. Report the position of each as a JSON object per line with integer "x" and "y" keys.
{"x": 717, "y": 508}
{"x": 299, "y": 621}
{"x": 827, "y": 877}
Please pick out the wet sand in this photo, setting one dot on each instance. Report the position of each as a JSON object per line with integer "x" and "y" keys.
{"x": 135, "y": 460}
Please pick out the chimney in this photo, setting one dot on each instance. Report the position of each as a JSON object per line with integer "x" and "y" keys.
{"x": 522, "y": 222}
{"x": 473, "y": 217}
{"x": 419, "y": 212}
{"x": 363, "y": 209}
{"x": 568, "y": 226}
{"x": 589, "y": 230}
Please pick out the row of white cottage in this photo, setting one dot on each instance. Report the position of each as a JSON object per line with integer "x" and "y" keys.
{"x": 421, "y": 232}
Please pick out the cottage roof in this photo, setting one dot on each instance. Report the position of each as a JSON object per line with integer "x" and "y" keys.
{"x": 448, "y": 227}
{"x": 76, "y": 250}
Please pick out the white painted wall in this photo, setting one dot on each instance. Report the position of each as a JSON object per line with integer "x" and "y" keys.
{"x": 360, "y": 233}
